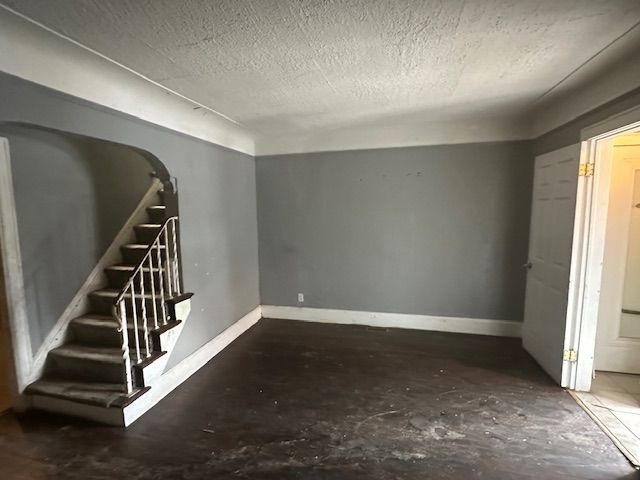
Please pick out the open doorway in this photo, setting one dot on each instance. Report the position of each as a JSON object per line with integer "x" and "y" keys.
{"x": 617, "y": 346}
{"x": 606, "y": 370}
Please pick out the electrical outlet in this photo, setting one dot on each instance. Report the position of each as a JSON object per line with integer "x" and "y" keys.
{"x": 301, "y": 298}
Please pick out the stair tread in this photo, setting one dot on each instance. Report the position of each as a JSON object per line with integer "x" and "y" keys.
{"x": 84, "y": 352}
{"x": 157, "y": 207}
{"x": 97, "y": 321}
{"x": 105, "y": 321}
{"x": 128, "y": 267}
{"x": 107, "y": 292}
{"x": 111, "y": 355}
{"x": 115, "y": 292}
{"x": 149, "y": 225}
{"x": 102, "y": 394}
{"x": 140, "y": 246}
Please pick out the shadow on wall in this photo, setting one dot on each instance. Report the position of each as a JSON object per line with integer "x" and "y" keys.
{"x": 72, "y": 196}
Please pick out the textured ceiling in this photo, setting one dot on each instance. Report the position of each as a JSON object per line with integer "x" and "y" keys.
{"x": 288, "y": 67}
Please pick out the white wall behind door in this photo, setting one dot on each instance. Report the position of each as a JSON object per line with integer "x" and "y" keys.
{"x": 618, "y": 333}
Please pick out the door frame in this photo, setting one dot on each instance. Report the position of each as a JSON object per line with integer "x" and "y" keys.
{"x": 592, "y": 198}
{"x": 13, "y": 280}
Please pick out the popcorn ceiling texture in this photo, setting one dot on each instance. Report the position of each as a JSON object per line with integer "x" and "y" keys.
{"x": 290, "y": 67}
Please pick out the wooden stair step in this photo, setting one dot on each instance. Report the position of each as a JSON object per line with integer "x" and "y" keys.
{"x": 157, "y": 213}
{"x": 100, "y": 394}
{"x": 118, "y": 275}
{"x": 134, "y": 252}
{"x": 100, "y": 321}
{"x": 103, "y": 331}
{"x": 115, "y": 292}
{"x": 127, "y": 267}
{"x": 147, "y": 232}
{"x": 95, "y": 354}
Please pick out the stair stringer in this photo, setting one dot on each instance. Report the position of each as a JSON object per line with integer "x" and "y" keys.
{"x": 150, "y": 376}
{"x": 179, "y": 373}
{"x": 83, "y": 375}
{"x": 165, "y": 340}
{"x": 79, "y": 305}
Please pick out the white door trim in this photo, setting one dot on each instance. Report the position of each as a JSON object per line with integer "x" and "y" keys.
{"x": 12, "y": 272}
{"x": 588, "y": 245}
{"x": 611, "y": 126}
{"x": 578, "y": 265}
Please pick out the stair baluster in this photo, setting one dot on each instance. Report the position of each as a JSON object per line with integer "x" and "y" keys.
{"x": 163, "y": 308}
{"x": 174, "y": 264}
{"x": 134, "y": 315}
{"x": 168, "y": 263}
{"x": 153, "y": 292}
{"x": 126, "y": 374}
{"x": 145, "y": 320}
{"x": 169, "y": 286}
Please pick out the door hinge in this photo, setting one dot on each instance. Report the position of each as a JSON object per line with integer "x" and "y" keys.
{"x": 585, "y": 170}
{"x": 570, "y": 356}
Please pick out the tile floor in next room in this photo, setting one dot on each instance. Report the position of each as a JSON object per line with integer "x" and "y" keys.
{"x": 614, "y": 401}
{"x": 314, "y": 401}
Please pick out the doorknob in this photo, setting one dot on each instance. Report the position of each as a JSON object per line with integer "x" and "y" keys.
{"x": 528, "y": 265}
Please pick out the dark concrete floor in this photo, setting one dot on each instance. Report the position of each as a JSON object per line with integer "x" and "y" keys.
{"x": 310, "y": 401}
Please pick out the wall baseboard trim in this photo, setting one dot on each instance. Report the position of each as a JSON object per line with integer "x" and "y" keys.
{"x": 477, "y": 326}
{"x": 190, "y": 365}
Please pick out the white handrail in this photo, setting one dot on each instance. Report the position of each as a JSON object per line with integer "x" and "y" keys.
{"x": 129, "y": 300}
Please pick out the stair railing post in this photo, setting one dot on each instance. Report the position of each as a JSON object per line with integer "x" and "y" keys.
{"x": 163, "y": 310}
{"x": 167, "y": 261}
{"x": 174, "y": 263}
{"x": 135, "y": 320}
{"x": 120, "y": 311}
{"x": 153, "y": 291}
{"x": 143, "y": 310}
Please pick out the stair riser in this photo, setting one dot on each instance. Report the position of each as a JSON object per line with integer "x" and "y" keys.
{"x": 104, "y": 306}
{"x": 118, "y": 278}
{"x": 133, "y": 256}
{"x": 156, "y": 215}
{"x": 84, "y": 370}
{"x": 145, "y": 234}
{"x": 105, "y": 337}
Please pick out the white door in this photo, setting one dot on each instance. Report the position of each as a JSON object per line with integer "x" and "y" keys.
{"x": 550, "y": 243}
{"x": 618, "y": 334}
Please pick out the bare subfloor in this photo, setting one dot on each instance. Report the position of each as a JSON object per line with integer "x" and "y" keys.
{"x": 310, "y": 401}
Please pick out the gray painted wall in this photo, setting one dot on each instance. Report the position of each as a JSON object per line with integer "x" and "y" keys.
{"x": 437, "y": 230}
{"x": 217, "y": 201}
{"x": 72, "y": 197}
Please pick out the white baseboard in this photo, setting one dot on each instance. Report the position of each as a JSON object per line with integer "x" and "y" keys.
{"x": 477, "y": 326}
{"x": 190, "y": 365}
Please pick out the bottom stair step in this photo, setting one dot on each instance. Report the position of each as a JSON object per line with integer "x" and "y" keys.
{"x": 100, "y": 394}
{"x": 81, "y": 363}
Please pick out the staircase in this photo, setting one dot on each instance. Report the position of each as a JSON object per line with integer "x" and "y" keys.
{"x": 115, "y": 351}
